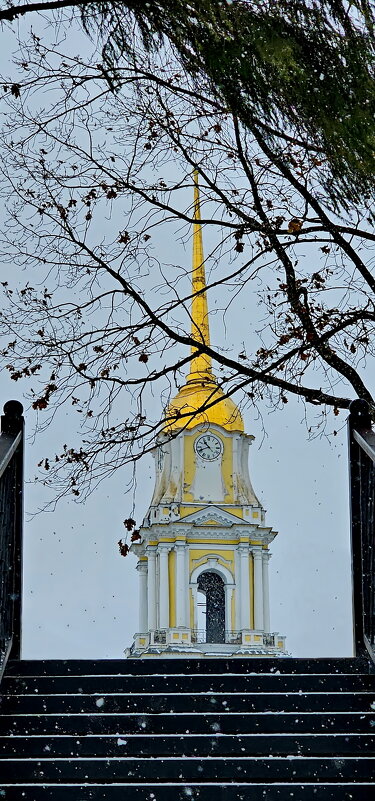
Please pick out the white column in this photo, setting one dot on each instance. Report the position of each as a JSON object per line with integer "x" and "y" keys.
{"x": 187, "y": 587}
{"x": 258, "y": 589}
{"x": 163, "y": 587}
{"x": 228, "y": 606}
{"x": 180, "y": 586}
{"x": 237, "y": 596}
{"x": 151, "y": 590}
{"x": 142, "y": 572}
{"x": 245, "y": 587}
{"x": 266, "y": 592}
{"x": 194, "y": 590}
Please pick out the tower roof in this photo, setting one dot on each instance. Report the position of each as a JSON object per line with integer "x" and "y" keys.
{"x": 201, "y": 387}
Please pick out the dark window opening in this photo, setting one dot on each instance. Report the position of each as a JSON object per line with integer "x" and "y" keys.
{"x": 212, "y": 586}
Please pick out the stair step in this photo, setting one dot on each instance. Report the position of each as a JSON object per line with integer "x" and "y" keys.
{"x": 188, "y": 745}
{"x": 267, "y": 682}
{"x": 171, "y": 703}
{"x": 259, "y": 729}
{"x": 214, "y": 769}
{"x": 138, "y": 667}
{"x": 181, "y": 723}
{"x": 239, "y": 791}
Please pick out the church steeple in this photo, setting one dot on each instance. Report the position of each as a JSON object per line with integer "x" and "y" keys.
{"x": 204, "y": 541}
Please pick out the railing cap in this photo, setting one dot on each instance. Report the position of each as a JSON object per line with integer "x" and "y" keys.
{"x": 360, "y": 414}
{"x": 12, "y": 419}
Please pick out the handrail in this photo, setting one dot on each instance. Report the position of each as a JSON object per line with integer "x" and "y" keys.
{"x": 367, "y": 442}
{"x": 8, "y": 446}
{"x": 362, "y": 498}
{"x": 11, "y": 503}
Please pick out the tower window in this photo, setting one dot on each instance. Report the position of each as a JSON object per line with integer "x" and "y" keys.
{"x": 211, "y": 586}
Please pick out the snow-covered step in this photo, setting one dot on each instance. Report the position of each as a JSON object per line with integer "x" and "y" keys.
{"x": 188, "y": 769}
{"x": 203, "y": 702}
{"x": 171, "y": 791}
{"x": 91, "y": 745}
{"x": 183, "y": 667}
{"x": 210, "y": 730}
{"x": 223, "y": 682}
{"x": 181, "y": 723}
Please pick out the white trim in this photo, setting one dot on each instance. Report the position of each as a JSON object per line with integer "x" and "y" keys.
{"x": 207, "y": 556}
{"x": 225, "y": 574}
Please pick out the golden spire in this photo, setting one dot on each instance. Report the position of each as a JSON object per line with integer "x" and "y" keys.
{"x": 201, "y": 400}
{"x": 200, "y": 367}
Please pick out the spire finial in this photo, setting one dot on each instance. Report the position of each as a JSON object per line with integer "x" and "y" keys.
{"x": 200, "y": 367}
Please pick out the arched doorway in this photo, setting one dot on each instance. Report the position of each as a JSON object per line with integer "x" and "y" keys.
{"x": 212, "y": 587}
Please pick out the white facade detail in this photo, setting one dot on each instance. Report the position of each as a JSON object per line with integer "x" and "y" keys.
{"x": 193, "y": 548}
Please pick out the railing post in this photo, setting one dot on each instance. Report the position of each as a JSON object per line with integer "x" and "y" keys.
{"x": 359, "y": 420}
{"x": 12, "y": 423}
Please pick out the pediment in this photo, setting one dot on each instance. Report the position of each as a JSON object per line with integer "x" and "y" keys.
{"x": 213, "y": 516}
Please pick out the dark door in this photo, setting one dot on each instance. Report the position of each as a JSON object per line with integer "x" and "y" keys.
{"x": 212, "y": 586}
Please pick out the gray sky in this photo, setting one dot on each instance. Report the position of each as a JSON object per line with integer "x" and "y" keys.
{"x": 81, "y": 595}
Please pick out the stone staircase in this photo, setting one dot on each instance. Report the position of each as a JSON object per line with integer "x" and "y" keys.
{"x": 179, "y": 729}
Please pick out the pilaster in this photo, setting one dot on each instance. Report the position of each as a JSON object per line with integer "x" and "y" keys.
{"x": 163, "y": 551}
{"x": 245, "y": 587}
{"x": 266, "y": 592}
{"x": 142, "y": 585}
{"x": 258, "y": 588}
{"x": 151, "y": 589}
{"x": 181, "y": 588}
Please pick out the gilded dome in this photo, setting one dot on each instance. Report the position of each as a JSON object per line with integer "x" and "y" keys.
{"x": 182, "y": 411}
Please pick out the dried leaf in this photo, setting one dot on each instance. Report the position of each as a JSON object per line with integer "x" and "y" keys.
{"x": 295, "y": 225}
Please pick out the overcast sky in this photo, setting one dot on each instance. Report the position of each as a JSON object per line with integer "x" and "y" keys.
{"x": 80, "y": 595}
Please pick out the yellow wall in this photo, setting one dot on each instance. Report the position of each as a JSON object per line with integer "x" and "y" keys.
{"x": 237, "y": 511}
{"x": 189, "y": 467}
{"x": 189, "y": 510}
{"x": 201, "y": 553}
{"x": 226, "y": 466}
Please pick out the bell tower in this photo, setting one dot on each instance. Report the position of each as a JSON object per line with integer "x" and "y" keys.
{"x": 203, "y": 551}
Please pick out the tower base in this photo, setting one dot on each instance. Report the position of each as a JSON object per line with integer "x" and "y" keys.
{"x": 187, "y": 643}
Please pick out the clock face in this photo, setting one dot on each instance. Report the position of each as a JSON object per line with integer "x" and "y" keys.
{"x": 208, "y": 447}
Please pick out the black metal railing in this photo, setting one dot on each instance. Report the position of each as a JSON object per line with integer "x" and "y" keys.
{"x": 11, "y": 497}
{"x": 200, "y": 635}
{"x": 362, "y": 495}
